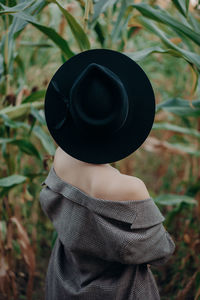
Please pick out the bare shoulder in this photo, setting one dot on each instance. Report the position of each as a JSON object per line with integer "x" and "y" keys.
{"x": 131, "y": 188}
{"x": 104, "y": 183}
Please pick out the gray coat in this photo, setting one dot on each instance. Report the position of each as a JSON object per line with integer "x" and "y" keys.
{"x": 104, "y": 248}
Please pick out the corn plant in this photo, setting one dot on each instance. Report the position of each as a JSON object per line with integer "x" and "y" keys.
{"x": 32, "y": 34}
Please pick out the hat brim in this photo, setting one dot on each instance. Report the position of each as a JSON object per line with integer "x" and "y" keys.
{"x": 139, "y": 122}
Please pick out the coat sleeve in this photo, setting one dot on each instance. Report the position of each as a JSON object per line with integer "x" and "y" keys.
{"x": 147, "y": 241}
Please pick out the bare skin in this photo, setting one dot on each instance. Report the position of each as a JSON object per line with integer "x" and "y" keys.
{"x": 98, "y": 180}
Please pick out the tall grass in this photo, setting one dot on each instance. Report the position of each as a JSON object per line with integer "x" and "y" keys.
{"x": 36, "y": 37}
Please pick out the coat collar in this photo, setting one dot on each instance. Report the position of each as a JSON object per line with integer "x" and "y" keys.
{"x": 139, "y": 213}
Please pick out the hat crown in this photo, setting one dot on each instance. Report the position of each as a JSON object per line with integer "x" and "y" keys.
{"x": 98, "y": 100}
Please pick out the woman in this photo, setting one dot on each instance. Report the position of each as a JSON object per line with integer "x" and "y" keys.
{"x": 109, "y": 229}
{"x": 98, "y": 180}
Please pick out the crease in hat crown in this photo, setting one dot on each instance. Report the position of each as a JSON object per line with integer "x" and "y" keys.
{"x": 82, "y": 107}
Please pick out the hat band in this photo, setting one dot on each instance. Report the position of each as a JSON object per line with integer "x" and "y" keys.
{"x": 62, "y": 97}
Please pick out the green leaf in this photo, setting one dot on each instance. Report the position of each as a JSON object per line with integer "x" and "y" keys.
{"x": 50, "y": 32}
{"x": 16, "y": 246}
{"x": 181, "y": 6}
{"x": 191, "y": 57}
{"x": 34, "y": 96}
{"x": 100, "y": 33}
{"x": 193, "y": 21}
{"x": 184, "y": 148}
{"x": 180, "y": 107}
{"x": 173, "y": 199}
{"x": 76, "y": 29}
{"x": 14, "y": 30}
{"x": 12, "y": 180}
{"x": 19, "y": 111}
{"x": 32, "y": 44}
{"x": 37, "y": 115}
{"x": 176, "y": 128}
{"x": 45, "y": 139}
{"x": 20, "y": 64}
{"x": 18, "y": 24}
{"x": 13, "y": 124}
{"x": 187, "y": 3}
{"x": 1, "y": 64}
{"x": 118, "y": 23}
{"x": 26, "y": 147}
{"x": 17, "y": 8}
{"x": 100, "y": 7}
{"x": 142, "y": 54}
{"x": 3, "y": 230}
{"x": 161, "y": 16}
{"x": 6, "y": 140}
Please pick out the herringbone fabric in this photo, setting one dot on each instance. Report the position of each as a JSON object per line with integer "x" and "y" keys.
{"x": 104, "y": 248}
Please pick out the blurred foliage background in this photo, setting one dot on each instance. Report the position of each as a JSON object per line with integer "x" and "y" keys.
{"x": 36, "y": 37}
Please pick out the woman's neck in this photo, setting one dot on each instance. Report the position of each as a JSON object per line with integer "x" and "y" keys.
{"x": 75, "y": 161}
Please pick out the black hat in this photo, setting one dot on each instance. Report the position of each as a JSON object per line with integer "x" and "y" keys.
{"x": 99, "y": 106}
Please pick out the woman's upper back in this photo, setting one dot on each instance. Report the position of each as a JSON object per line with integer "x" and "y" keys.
{"x": 99, "y": 181}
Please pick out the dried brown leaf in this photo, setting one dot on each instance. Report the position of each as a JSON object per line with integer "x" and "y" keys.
{"x": 153, "y": 144}
{"x": 27, "y": 253}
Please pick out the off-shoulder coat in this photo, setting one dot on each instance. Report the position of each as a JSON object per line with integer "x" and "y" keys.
{"x": 104, "y": 248}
